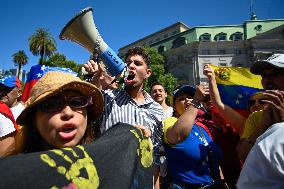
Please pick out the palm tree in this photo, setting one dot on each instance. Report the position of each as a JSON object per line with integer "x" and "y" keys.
{"x": 20, "y": 58}
{"x": 42, "y": 43}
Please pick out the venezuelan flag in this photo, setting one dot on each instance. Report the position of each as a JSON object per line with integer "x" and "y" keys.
{"x": 36, "y": 72}
{"x": 236, "y": 85}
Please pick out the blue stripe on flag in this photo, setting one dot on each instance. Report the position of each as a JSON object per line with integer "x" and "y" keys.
{"x": 236, "y": 96}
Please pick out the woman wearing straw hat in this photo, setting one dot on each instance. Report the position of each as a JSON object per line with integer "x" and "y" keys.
{"x": 60, "y": 112}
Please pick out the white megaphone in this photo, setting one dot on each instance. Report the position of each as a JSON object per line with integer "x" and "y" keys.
{"x": 82, "y": 30}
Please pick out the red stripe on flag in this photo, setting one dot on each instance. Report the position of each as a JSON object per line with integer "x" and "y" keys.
{"x": 27, "y": 90}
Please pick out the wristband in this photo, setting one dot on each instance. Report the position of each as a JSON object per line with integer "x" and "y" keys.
{"x": 196, "y": 104}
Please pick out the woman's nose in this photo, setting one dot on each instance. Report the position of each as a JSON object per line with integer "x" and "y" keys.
{"x": 67, "y": 112}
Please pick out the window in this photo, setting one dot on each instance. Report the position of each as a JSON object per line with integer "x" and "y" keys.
{"x": 205, "y": 52}
{"x": 258, "y": 27}
{"x": 222, "y": 64}
{"x": 221, "y": 51}
{"x": 236, "y": 36}
{"x": 220, "y": 37}
{"x": 205, "y": 37}
{"x": 179, "y": 42}
{"x": 237, "y": 51}
{"x": 161, "y": 49}
{"x": 180, "y": 58}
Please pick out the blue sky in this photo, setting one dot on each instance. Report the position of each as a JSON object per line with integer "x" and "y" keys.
{"x": 120, "y": 22}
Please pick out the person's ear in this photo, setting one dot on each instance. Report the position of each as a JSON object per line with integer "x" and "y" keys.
{"x": 148, "y": 73}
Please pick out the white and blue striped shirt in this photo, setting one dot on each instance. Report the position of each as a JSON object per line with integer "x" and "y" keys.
{"x": 120, "y": 107}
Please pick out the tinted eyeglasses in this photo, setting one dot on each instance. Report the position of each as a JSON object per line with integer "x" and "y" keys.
{"x": 57, "y": 104}
{"x": 252, "y": 102}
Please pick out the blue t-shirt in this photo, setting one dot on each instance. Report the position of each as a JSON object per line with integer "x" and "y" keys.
{"x": 187, "y": 162}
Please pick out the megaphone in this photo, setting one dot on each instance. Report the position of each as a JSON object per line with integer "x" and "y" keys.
{"x": 82, "y": 30}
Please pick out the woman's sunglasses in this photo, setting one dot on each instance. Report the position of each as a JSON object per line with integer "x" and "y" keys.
{"x": 57, "y": 104}
{"x": 252, "y": 102}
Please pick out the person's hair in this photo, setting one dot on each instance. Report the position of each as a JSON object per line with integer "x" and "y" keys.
{"x": 5, "y": 90}
{"x": 139, "y": 51}
{"x": 33, "y": 141}
{"x": 157, "y": 83}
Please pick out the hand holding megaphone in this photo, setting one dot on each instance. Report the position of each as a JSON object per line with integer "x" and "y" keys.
{"x": 82, "y": 30}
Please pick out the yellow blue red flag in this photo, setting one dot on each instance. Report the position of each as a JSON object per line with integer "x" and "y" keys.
{"x": 236, "y": 85}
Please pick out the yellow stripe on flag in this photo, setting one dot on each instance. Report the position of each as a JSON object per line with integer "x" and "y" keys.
{"x": 236, "y": 76}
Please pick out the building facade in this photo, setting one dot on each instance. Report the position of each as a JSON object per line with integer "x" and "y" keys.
{"x": 187, "y": 49}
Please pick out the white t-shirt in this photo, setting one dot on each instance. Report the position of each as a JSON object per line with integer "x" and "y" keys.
{"x": 168, "y": 112}
{"x": 264, "y": 166}
{"x": 17, "y": 110}
{"x": 6, "y": 126}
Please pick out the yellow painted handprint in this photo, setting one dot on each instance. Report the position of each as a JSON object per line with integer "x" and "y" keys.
{"x": 72, "y": 173}
{"x": 145, "y": 149}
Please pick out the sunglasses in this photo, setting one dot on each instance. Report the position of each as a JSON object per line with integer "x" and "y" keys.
{"x": 57, "y": 104}
{"x": 252, "y": 102}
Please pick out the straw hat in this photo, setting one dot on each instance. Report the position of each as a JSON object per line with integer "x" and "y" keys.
{"x": 54, "y": 82}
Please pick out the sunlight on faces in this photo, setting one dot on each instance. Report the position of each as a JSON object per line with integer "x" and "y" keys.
{"x": 138, "y": 71}
{"x": 182, "y": 102}
{"x": 63, "y": 128}
{"x": 158, "y": 93}
{"x": 255, "y": 103}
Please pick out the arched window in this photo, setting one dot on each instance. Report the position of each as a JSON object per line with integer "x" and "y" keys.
{"x": 237, "y": 36}
{"x": 258, "y": 27}
{"x": 205, "y": 37}
{"x": 179, "y": 42}
{"x": 220, "y": 37}
{"x": 161, "y": 49}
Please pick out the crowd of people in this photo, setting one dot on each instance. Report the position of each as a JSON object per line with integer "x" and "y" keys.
{"x": 198, "y": 141}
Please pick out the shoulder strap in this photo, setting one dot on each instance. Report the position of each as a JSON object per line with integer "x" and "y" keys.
{"x": 209, "y": 156}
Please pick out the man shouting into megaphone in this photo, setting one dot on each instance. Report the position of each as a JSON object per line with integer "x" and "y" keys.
{"x": 132, "y": 104}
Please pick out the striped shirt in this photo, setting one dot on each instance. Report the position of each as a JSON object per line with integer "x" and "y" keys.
{"x": 120, "y": 107}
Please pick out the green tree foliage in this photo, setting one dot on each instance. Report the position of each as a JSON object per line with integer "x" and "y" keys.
{"x": 43, "y": 44}
{"x": 20, "y": 58}
{"x": 159, "y": 72}
{"x": 59, "y": 60}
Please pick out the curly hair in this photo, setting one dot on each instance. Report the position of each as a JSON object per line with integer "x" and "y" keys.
{"x": 139, "y": 51}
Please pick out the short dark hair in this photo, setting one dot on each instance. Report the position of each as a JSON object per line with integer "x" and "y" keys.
{"x": 157, "y": 83}
{"x": 138, "y": 51}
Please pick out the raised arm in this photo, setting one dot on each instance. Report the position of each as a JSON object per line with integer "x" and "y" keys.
{"x": 180, "y": 130}
{"x": 231, "y": 116}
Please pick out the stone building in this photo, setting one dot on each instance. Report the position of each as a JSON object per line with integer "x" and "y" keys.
{"x": 188, "y": 49}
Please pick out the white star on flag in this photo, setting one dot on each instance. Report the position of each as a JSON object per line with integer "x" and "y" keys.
{"x": 39, "y": 75}
{"x": 43, "y": 68}
{"x": 240, "y": 96}
{"x": 237, "y": 101}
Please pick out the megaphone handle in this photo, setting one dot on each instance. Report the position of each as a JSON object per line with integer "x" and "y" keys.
{"x": 96, "y": 56}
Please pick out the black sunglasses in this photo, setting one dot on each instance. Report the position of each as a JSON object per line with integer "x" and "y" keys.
{"x": 252, "y": 102}
{"x": 57, "y": 104}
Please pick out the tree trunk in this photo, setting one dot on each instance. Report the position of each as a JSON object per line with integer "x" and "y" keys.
{"x": 19, "y": 70}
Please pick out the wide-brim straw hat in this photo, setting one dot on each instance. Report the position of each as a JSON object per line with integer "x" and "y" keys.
{"x": 53, "y": 83}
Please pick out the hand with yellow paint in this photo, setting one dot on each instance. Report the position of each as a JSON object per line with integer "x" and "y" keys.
{"x": 145, "y": 150}
{"x": 146, "y": 132}
{"x": 76, "y": 163}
